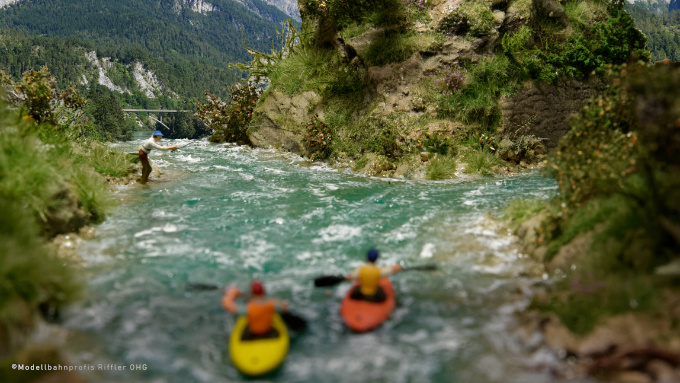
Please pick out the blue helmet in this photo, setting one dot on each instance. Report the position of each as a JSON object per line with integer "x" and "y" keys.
{"x": 157, "y": 133}
{"x": 372, "y": 255}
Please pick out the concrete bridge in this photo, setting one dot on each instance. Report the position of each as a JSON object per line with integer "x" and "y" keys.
{"x": 156, "y": 111}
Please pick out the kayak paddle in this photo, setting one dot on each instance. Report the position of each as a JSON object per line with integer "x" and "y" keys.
{"x": 294, "y": 322}
{"x": 332, "y": 280}
{"x": 329, "y": 280}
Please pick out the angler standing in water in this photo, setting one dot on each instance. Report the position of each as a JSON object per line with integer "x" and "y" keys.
{"x": 145, "y": 148}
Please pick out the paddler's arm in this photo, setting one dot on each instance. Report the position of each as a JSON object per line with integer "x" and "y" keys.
{"x": 389, "y": 270}
{"x": 228, "y": 300}
{"x": 161, "y": 147}
{"x": 353, "y": 275}
{"x": 281, "y": 305}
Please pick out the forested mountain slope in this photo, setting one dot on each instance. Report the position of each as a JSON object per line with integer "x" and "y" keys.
{"x": 187, "y": 43}
{"x": 661, "y": 28}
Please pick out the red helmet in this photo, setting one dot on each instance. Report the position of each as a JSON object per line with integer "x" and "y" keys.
{"x": 257, "y": 288}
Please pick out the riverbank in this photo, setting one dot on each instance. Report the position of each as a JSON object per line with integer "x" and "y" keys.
{"x": 52, "y": 184}
{"x": 637, "y": 346}
{"x": 434, "y": 166}
{"x": 609, "y": 240}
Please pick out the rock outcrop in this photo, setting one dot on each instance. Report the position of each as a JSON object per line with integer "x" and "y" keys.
{"x": 404, "y": 88}
{"x": 280, "y": 119}
{"x": 547, "y": 108}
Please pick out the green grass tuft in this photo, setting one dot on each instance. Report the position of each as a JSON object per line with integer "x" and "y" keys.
{"x": 441, "y": 168}
{"x": 477, "y": 102}
{"x": 481, "y": 162}
{"x": 520, "y": 209}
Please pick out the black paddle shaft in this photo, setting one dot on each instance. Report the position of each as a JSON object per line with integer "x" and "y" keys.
{"x": 332, "y": 280}
{"x": 329, "y": 280}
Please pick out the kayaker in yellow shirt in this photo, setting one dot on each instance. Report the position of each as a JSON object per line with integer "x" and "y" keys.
{"x": 369, "y": 276}
{"x": 260, "y": 310}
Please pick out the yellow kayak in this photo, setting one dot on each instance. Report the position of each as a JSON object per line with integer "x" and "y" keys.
{"x": 259, "y": 356}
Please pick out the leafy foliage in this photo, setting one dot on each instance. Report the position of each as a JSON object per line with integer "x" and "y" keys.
{"x": 478, "y": 102}
{"x": 623, "y": 146}
{"x": 260, "y": 67}
{"x": 229, "y": 119}
{"x": 438, "y": 143}
{"x": 382, "y": 138}
{"x": 473, "y": 17}
{"x": 452, "y": 80}
{"x": 38, "y": 93}
{"x": 615, "y": 41}
{"x": 318, "y": 139}
{"x": 183, "y": 125}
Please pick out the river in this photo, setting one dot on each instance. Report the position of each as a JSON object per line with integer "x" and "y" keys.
{"x": 225, "y": 214}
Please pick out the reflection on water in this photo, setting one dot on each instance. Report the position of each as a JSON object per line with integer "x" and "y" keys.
{"x": 234, "y": 214}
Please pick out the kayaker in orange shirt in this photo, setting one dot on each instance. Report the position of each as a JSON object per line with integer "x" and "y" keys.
{"x": 369, "y": 276}
{"x": 260, "y": 310}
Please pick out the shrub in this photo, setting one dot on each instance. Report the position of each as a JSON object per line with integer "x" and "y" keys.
{"x": 229, "y": 120}
{"x": 452, "y": 80}
{"x": 622, "y": 150}
{"x": 382, "y": 138}
{"x": 438, "y": 143}
{"x": 516, "y": 145}
{"x": 520, "y": 210}
{"x": 478, "y": 102}
{"x": 389, "y": 47}
{"x": 32, "y": 279}
{"x": 455, "y": 23}
{"x": 473, "y": 17}
{"x": 318, "y": 140}
{"x": 37, "y": 170}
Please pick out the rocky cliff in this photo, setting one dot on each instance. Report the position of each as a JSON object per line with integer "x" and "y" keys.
{"x": 397, "y": 77}
{"x": 4, "y": 3}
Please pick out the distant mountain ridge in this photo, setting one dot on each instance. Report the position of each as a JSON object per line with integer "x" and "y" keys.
{"x": 661, "y": 27}
{"x": 188, "y": 44}
{"x": 288, "y": 7}
{"x": 654, "y": 6}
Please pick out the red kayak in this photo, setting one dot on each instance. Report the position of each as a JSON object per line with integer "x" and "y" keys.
{"x": 363, "y": 316}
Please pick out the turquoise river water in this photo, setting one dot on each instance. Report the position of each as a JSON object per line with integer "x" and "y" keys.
{"x": 224, "y": 214}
